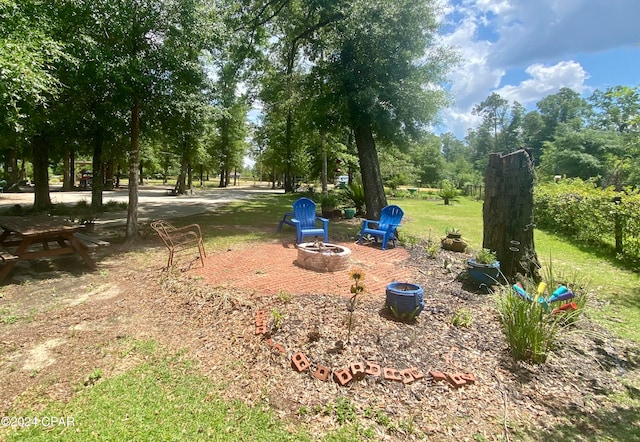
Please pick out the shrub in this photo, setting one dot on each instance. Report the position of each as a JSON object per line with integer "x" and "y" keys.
{"x": 448, "y": 192}
{"x": 330, "y": 200}
{"x": 462, "y": 318}
{"x": 355, "y": 194}
{"x": 590, "y": 214}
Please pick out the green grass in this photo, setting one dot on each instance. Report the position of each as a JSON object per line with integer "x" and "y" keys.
{"x": 161, "y": 399}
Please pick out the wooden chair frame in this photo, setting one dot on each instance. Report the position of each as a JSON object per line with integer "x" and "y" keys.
{"x": 178, "y": 239}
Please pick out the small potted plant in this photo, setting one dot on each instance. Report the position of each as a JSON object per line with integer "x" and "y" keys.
{"x": 453, "y": 232}
{"x": 328, "y": 203}
{"x": 484, "y": 267}
{"x": 453, "y": 241}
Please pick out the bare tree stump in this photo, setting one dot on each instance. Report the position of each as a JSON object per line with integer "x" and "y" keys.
{"x": 508, "y": 214}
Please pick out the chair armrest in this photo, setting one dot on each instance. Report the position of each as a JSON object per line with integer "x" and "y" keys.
{"x": 188, "y": 228}
{"x": 324, "y": 220}
{"x": 183, "y": 237}
{"x": 365, "y": 223}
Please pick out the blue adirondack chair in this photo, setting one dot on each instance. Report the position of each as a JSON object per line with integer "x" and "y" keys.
{"x": 304, "y": 220}
{"x": 385, "y": 228}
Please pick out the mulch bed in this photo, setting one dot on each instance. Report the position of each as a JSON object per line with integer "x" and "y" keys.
{"x": 506, "y": 398}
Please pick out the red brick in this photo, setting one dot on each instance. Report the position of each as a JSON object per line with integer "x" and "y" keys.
{"x": 260, "y": 316}
{"x": 322, "y": 373}
{"x": 437, "y": 375}
{"x": 417, "y": 374}
{"x": 279, "y": 348}
{"x": 269, "y": 342}
{"x": 468, "y": 377}
{"x": 300, "y": 361}
{"x": 342, "y": 376}
{"x": 407, "y": 377}
{"x": 456, "y": 380}
{"x": 372, "y": 369}
{"x": 261, "y": 330}
{"x": 357, "y": 370}
{"x": 391, "y": 374}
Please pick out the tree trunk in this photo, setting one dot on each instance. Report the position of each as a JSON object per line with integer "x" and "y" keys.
{"x": 98, "y": 174}
{"x": 42, "y": 200}
{"x": 12, "y": 171}
{"x": 181, "y": 184}
{"x": 67, "y": 173}
{"x": 374, "y": 196}
{"x": 323, "y": 176}
{"x": 72, "y": 169}
{"x": 508, "y": 214}
{"x": 288, "y": 170}
{"x": 141, "y": 172}
{"x": 134, "y": 159}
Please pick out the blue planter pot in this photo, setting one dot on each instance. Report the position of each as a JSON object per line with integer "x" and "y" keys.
{"x": 349, "y": 213}
{"x": 488, "y": 274}
{"x": 405, "y": 300}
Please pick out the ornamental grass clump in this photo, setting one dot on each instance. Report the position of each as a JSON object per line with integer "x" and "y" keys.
{"x": 530, "y": 330}
{"x": 532, "y": 322}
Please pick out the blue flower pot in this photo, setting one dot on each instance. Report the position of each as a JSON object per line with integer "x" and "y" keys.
{"x": 484, "y": 273}
{"x": 405, "y": 300}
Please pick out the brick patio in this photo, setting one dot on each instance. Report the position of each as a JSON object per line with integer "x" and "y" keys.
{"x": 266, "y": 269}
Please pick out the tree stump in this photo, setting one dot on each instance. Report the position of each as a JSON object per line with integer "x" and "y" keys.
{"x": 508, "y": 214}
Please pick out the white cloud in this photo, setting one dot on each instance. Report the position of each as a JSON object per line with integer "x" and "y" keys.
{"x": 546, "y": 80}
{"x": 541, "y": 37}
{"x": 550, "y": 29}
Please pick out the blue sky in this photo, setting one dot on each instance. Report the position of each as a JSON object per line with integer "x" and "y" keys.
{"x": 528, "y": 49}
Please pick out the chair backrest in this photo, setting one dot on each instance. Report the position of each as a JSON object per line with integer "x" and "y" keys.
{"x": 389, "y": 216}
{"x": 164, "y": 229}
{"x": 304, "y": 210}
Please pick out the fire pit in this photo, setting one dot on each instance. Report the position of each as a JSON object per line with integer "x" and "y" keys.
{"x": 323, "y": 257}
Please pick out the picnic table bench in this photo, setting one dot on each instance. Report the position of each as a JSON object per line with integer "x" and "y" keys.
{"x": 38, "y": 237}
{"x": 6, "y": 256}
{"x": 90, "y": 242}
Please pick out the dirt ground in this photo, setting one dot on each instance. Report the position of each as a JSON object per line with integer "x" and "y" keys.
{"x": 61, "y": 322}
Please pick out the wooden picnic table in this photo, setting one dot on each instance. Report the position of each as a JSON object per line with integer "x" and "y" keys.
{"x": 37, "y": 237}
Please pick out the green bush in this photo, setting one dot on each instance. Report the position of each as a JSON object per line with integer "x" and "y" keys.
{"x": 448, "y": 192}
{"x": 485, "y": 256}
{"x": 462, "y": 318}
{"x": 354, "y": 193}
{"x": 587, "y": 213}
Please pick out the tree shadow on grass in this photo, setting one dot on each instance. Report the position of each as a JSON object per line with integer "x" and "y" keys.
{"x": 615, "y": 423}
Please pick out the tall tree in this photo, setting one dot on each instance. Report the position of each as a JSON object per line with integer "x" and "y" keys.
{"x": 152, "y": 52}
{"x": 379, "y": 59}
{"x": 28, "y": 53}
{"x": 494, "y": 112}
{"x": 565, "y": 107}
